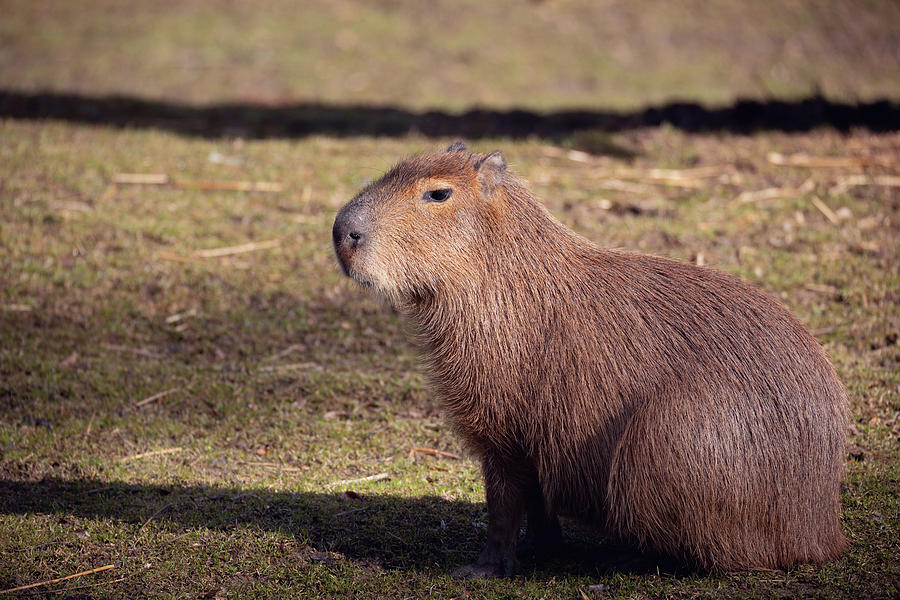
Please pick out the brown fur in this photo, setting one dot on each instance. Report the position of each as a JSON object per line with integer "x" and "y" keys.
{"x": 671, "y": 404}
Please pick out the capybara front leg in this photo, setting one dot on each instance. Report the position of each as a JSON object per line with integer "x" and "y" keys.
{"x": 506, "y": 506}
{"x": 543, "y": 533}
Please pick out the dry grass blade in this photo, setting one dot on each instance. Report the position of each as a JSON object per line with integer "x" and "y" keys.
{"x": 578, "y": 156}
{"x": 72, "y": 206}
{"x": 92, "y": 585}
{"x": 683, "y": 182}
{"x": 282, "y": 353}
{"x": 556, "y": 152}
{"x": 274, "y": 466}
{"x": 139, "y": 351}
{"x": 141, "y": 178}
{"x": 766, "y": 194}
{"x": 751, "y": 196}
{"x": 301, "y": 366}
{"x": 228, "y": 186}
{"x": 231, "y": 186}
{"x": 845, "y": 183}
{"x": 156, "y": 514}
{"x": 692, "y": 173}
{"x": 200, "y": 256}
{"x": 679, "y": 177}
{"x": 415, "y": 450}
{"x": 827, "y": 162}
{"x": 155, "y": 397}
{"x": 377, "y": 477}
{"x": 614, "y": 181}
{"x": 166, "y": 255}
{"x": 17, "y": 307}
{"x": 172, "y": 319}
{"x": 57, "y": 580}
{"x": 823, "y": 208}
{"x": 625, "y": 186}
{"x": 240, "y": 249}
{"x": 151, "y": 453}
{"x": 821, "y": 289}
{"x": 347, "y": 512}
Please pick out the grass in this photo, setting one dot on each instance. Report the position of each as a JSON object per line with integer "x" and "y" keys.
{"x": 283, "y": 362}
{"x": 288, "y": 378}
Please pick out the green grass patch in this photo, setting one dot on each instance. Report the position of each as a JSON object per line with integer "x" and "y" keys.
{"x": 285, "y": 378}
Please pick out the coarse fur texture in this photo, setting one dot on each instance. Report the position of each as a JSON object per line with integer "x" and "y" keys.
{"x": 670, "y": 404}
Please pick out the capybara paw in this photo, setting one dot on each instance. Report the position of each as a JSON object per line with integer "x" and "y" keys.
{"x": 482, "y": 571}
{"x": 539, "y": 545}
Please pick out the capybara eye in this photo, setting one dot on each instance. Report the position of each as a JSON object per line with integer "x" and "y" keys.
{"x": 437, "y": 195}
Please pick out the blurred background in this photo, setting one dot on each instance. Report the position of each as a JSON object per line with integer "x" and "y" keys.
{"x": 550, "y": 55}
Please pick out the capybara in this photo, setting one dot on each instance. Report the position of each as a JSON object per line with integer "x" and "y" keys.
{"x": 672, "y": 405}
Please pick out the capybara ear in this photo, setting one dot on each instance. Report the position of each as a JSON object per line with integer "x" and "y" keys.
{"x": 457, "y": 146}
{"x": 490, "y": 171}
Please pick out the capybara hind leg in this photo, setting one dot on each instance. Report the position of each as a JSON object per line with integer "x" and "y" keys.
{"x": 506, "y": 507}
{"x": 666, "y": 489}
{"x": 710, "y": 492}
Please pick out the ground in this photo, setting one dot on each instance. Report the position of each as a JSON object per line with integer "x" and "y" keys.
{"x": 280, "y": 385}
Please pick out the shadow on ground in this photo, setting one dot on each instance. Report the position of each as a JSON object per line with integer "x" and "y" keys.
{"x": 425, "y": 533}
{"x": 299, "y": 120}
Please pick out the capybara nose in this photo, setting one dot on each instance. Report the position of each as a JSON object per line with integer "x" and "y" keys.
{"x": 349, "y": 227}
{"x": 355, "y": 238}
{"x": 350, "y": 230}
{"x": 346, "y": 236}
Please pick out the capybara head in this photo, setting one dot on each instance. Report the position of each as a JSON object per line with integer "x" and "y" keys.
{"x": 407, "y": 233}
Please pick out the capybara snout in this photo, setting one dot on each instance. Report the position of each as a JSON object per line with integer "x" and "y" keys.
{"x": 351, "y": 227}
